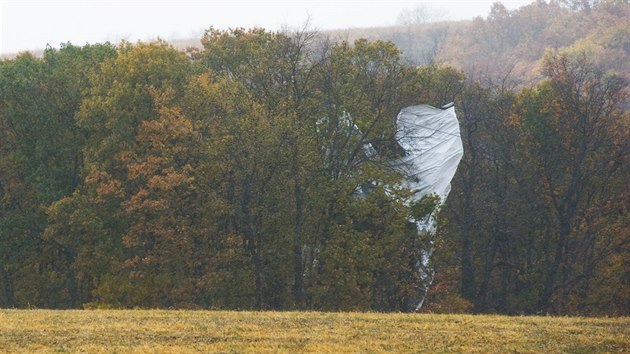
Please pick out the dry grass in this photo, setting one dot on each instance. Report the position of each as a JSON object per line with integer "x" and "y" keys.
{"x": 160, "y": 331}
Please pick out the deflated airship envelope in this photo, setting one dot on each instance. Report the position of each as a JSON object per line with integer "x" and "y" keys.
{"x": 433, "y": 149}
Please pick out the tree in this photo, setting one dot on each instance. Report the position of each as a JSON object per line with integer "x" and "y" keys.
{"x": 541, "y": 191}
{"x": 114, "y": 113}
{"x": 419, "y": 15}
{"x": 41, "y": 161}
{"x": 575, "y": 142}
{"x": 314, "y": 114}
{"x": 267, "y": 152}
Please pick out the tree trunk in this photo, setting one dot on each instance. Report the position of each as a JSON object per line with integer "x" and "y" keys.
{"x": 298, "y": 279}
{"x": 544, "y": 302}
{"x": 7, "y": 289}
{"x": 252, "y": 246}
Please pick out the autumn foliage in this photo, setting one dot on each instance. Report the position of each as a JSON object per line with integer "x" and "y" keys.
{"x": 230, "y": 177}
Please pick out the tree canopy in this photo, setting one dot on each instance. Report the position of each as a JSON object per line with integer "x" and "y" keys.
{"x": 141, "y": 176}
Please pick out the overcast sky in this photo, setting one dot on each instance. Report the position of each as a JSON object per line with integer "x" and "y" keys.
{"x": 33, "y": 24}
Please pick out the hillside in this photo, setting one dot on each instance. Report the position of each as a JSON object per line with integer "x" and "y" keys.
{"x": 512, "y": 43}
{"x": 507, "y": 45}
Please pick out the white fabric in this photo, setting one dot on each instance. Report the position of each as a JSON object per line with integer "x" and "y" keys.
{"x": 433, "y": 149}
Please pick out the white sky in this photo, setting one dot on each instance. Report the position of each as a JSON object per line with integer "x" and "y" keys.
{"x": 28, "y": 24}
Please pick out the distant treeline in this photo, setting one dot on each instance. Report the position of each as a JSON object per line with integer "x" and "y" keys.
{"x": 509, "y": 45}
{"x": 227, "y": 177}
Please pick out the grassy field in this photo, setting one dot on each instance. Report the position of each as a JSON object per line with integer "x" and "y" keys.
{"x": 160, "y": 331}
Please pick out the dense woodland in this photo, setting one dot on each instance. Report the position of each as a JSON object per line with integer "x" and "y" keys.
{"x": 139, "y": 175}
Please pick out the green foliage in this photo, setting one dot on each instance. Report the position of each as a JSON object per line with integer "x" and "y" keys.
{"x": 425, "y": 206}
{"x": 41, "y": 146}
{"x": 254, "y": 174}
{"x": 540, "y": 192}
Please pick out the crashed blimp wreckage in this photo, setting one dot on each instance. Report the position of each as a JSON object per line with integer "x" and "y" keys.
{"x": 431, "y": 146}
{"x": 428, "y": 149}
{"x": 432, "y": 143}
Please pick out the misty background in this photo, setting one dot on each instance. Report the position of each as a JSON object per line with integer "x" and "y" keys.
{"x": 31, "y": 25}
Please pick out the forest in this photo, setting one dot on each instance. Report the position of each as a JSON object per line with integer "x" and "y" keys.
{"x": 225, "y": 177}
